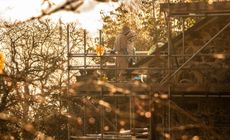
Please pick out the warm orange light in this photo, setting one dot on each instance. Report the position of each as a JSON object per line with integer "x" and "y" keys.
{"x": 210, "y": 1}
{"x": 219, "y": 56}
{"x": 106, "y": 128}
{"x": 195, "y": 138}
{"x": 122, "y": 122}
{"x": 100, "y": 50}
{"x": 148, "y": 114}
{"x": 2, "y": 61}
{"x": 92, "y": 120}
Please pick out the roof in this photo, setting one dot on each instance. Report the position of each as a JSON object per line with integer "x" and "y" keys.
{"x": 196, "y": 8}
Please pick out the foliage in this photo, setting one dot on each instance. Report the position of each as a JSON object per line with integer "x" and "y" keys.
{"x": 149, "y": 24}
{"x": 34, "y": 84}
{"x": 34, "y": 78}
{"x": 142, "y": 22}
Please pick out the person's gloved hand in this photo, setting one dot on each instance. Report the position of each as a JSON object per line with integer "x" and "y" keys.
{"x": 113, "y": 51}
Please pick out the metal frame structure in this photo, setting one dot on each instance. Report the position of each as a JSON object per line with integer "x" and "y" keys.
{"x": 102, "y": 93}
{"x": 170, "y": 16}
{"x": 164, "y": 82}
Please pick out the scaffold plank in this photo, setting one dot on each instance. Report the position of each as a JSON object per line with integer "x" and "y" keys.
{"x": 129, "y": 88}
{"x": 199, "y": 8}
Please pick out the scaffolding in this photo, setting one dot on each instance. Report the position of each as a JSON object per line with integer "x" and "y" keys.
{"x": 104, "y": 91}
{"x": 130, "y": 90}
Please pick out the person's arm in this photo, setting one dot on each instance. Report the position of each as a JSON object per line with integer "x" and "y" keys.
{"x": 123, "y": 44}
{"x": 116, "y": 45}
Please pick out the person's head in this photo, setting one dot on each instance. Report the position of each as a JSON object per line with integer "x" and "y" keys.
{"x": 125, "y": 29}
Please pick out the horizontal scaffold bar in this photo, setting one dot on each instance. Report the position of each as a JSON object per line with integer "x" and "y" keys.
{"x": 132, "y": 89}
{"x": 197, "y": 8}
{"x": 152, "y": 55}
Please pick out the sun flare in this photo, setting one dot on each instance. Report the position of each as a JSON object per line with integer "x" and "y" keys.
{"x": 88, "y": 15}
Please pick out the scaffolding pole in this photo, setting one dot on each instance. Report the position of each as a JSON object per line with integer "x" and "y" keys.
{"x": 167, "y": 78}
{"x": 153, "y": 133}
{"x": 68, "y": 80}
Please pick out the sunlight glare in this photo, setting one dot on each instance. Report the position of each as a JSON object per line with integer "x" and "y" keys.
{"x": 14, "y": 10}
{"x": 90, "y": 18}
{"x": 210, "y": 1}
{"x": 88, "y": 15}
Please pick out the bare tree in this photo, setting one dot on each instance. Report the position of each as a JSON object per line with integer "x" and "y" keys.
{"x": 34, "y": 80}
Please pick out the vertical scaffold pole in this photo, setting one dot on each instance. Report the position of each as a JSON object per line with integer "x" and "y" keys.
{"x": 102, "y": 108}
{"x": 169, "y": 63}
{"x": 68, "y": 79}
{"x": 130, "y": 113}
{"x": 85, "y": 55}
{"x": 85, "y": 52}
{"x": 183, "y": 39}
{"x": 152, "y": 121}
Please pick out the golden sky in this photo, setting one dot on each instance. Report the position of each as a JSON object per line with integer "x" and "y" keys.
{"x": 88, "y": 15}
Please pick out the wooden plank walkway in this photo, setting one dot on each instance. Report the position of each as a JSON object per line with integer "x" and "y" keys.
{"x": 134, "y": 89}
{"x": 197, "y": 8}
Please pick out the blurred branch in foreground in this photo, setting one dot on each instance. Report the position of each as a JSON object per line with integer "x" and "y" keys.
{"x": 68, "y": 5}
